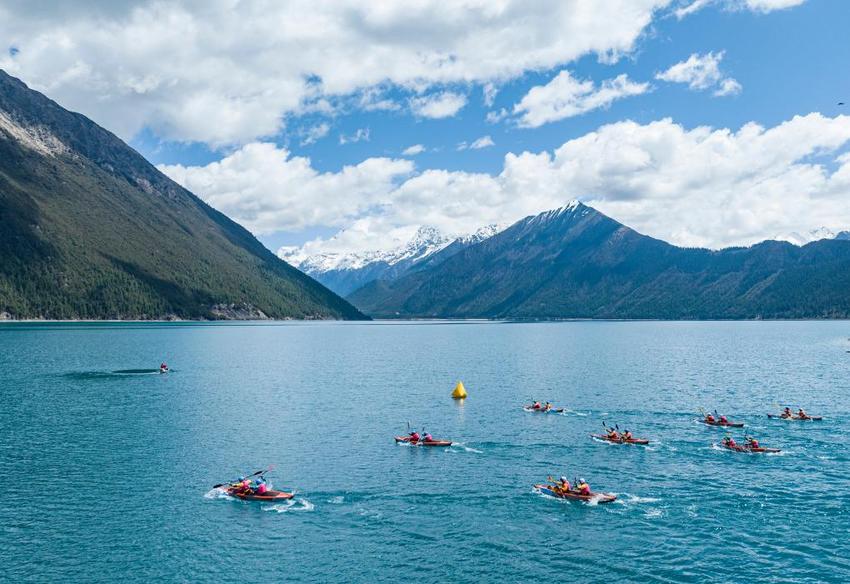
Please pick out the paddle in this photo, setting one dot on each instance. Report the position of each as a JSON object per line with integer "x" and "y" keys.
{"x": 259, "y": 472}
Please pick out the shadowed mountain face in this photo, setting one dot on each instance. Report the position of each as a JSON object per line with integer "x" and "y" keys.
{"x": 90, "y": 229}
{"x": 575, "y": 262}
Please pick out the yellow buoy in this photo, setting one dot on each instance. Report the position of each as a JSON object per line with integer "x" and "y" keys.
{"x": 460, "y": 391}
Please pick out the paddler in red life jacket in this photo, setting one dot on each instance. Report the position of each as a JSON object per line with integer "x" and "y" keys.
{"x": 627, "y": 436}
{"x": 729, "y": 441}
{"x": 710, "y": 419}
{"x": 163, "y": 366}
{"x": 802, "y": 414}
{"x": 613, "y": 434}
{"x": 724, "y": 420}
{"x": 414, "y": 436}
{"x": 582, "y": 487}
{"x": 261, "y": 487}
{"x": 536, "y": 405}
{"x": 428, "y": 437}
{"x": 752, "y": 442}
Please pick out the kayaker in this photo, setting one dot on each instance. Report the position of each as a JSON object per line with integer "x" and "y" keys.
{"x": 709, "y": 419}
{"x": 724, "y": 420}
{"x": 627, "y": 436}
{"x": 563, "y": 484}
{"x": 414, "y": 436}
{"x": 582, "y": 487}
{"x": 802, "y": 414}
{"x": 730, "y": 442}
{"x": 548, "y": 406}
{"x": 613, "y": 434}
{"x": 163, "y": 366}
{"x": 752, "y": 442}
{"x": 261, "y": 486}
{"x": 536, "y": 406}
{"x": 787, "y": 413}
{"x": 428, "y": 437}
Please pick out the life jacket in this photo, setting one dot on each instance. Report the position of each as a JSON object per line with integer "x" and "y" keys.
{"x": 262, "y": 488}
{"x": 584, "y": 489}
{"x": 429, "y": 438}
{"x": 613, "y": 436}
{"x": 414, "y": 437}
{"x": 723, "y": 420}
{"x": 710, "y": 419}
{"x": 731, "y": 443}
{"x": 627, "y": 436}
{"x": 754, "y": 443}
{"x": 536, "y": 406}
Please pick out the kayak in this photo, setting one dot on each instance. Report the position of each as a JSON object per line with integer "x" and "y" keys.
{"x": 724, "y": 424}
{"x": 423, "y": 442}
{"x": 267, "y": 496}
{"x": 759, "y": 450}
{"x": 598, "y": 497}
{"x": 640, "y": 441}
{"x": 543, "y": 411}
{"x": 796, "y": 418}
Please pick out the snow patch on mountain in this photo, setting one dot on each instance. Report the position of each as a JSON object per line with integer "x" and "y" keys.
{"x": 818, "y": 234}
{"x": 425, "y": 242}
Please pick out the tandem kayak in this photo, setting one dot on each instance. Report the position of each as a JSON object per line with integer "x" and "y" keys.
{"x": 639, "y": 441}
{"x": 543, "y": 410}
{"x": 724, "y": 424}
{"x": 759, "y": 450}
{"x": 268, "y": 496}
{"x": 407, "y": 440}
{"x": 795, "y": 418}
{"x": 593, "y": 497}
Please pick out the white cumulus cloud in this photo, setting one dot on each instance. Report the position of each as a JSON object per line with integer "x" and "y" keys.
{"x": 226, "y": 72}
{"x": 565, "y": 96}
{"x": 414, "y": 150}
{"x": 439, "y": 105}
{"x": 701, "y": 72}
{"x": 762, "y": 6}
{"x": 478, "y": 144}
{"x": 701, "y": 186}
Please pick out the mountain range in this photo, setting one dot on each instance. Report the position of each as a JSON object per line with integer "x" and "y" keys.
{"x": 346, "y": 272}
{"x": 575, "y": 262}
{"x": 90, "y": 230}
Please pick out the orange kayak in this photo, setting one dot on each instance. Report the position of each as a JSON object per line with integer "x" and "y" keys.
{"x": 407, "y": 440}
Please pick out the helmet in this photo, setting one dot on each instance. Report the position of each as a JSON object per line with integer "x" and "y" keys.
{"x": 563, "y": 479}
{"x": 241, "y": 478}
{"x": 581, "y": 480}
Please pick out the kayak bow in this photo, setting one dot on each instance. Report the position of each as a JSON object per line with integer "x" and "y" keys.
{"x": 639, "y": 441}
{"x": 598, "y": 497}
{"x": 407, "y": 440}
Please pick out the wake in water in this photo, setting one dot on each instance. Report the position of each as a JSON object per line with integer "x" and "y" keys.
{"x": 459, "y": 445}
{"x": 290, "y": 506}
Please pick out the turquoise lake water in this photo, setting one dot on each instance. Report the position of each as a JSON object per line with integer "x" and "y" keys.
{"x": 108, "y": 475}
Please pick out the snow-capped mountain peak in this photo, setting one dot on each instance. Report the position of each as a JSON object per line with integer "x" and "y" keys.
{"x": 797, "y": 238}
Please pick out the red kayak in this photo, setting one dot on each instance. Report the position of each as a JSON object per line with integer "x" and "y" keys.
{"x": 598, "y": 497}
{"x": 796, "y": 418}
{"x": 269, "y": 495}
{"x": 423, "y": 442}
{"x": 723, "y": 424}
{"x": 544, "y": 410}
{"x": 759, "y": 450}
{"x": 640, "y": 441}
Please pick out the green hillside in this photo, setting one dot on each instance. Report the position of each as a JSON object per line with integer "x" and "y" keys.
{"x": 89, "y": 229}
